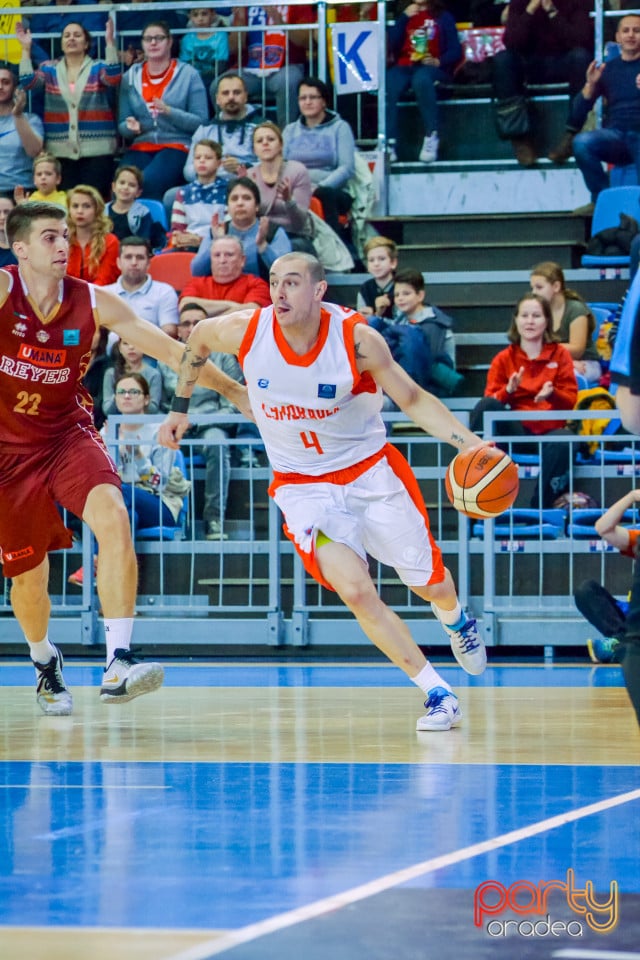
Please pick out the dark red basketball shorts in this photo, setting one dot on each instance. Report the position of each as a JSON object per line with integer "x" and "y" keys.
{"x": 33, "y": 482}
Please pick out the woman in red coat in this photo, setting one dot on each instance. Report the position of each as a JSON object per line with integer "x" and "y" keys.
{"x": 93, "y": 249}
{"x": 533, "y": 373}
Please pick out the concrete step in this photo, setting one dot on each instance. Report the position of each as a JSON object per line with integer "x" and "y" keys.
{"x": 480, "y": 297}
{"x": 483, "y": 228}
{"x": 490, "y": 255}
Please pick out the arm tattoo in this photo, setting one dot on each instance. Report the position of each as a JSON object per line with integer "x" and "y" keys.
{"x": 359, "y": 354}
{"x": 189, "y": 372}
{"x": 457, "y": 439}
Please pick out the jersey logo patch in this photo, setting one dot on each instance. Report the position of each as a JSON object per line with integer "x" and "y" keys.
{"x": 41, "y": 357}
{"x": 11, "y": 555}
{"x": 19, "y": 330}
{"x": 71, "y": 338}
{"x": 327, "y": 391}
{"x": 263, "y": 383}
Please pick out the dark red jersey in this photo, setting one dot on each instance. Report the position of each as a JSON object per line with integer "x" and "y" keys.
{"x": 42, "y": 361}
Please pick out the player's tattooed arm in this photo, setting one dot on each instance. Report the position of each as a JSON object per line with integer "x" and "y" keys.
{"x": 458, "y": 440}
{"x": 360, "y": 354}
{"x": 188, "y": 373}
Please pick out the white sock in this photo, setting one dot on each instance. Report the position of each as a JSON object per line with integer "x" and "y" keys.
{"x": 117, "y": 632}
{"x": 450, "y": 618}
{"x": 42, "y": 651}
{"x": 428, "y": 678}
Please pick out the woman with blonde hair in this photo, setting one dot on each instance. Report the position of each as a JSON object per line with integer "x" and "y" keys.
{"x": 284, "y": 185}
{"x": 573, "y": 322}
{"x": 93, "y": 249}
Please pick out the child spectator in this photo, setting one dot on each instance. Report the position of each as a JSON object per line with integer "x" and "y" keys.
{"x": 375, "y": 296}
{"x": 47, "y": 174}
{"x": 420, "y": 337}
{"x": 93, "y": 249}
{"x": 573, "y": 322}
{"x": 160, "y": 486}
{"x": 129, "y": 217}
{"x": 6, "y": 253}
{"x": 127, "y": 359}
{"x": 426, "y": 49}
{"x": 198, "y": 202}
{"x": 203, "y": 47}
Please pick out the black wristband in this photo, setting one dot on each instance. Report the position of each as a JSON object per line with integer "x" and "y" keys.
{"x": 180, "y": 405}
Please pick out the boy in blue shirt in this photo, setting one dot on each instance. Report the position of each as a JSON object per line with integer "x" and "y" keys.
{"x": 197, "y": 202}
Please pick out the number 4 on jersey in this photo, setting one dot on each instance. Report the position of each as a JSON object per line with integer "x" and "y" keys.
{"x": 310, "y": 441}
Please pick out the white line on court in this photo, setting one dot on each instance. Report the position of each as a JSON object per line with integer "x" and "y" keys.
{"x": 575, "y": 953}
{"x": 335, "y": 902}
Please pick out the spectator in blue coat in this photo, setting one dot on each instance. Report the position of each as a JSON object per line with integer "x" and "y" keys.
{"x": 618, "y": 140}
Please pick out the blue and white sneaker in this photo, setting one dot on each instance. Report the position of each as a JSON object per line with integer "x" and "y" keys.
{"x": 467, "y": 644}
{"x": 443, "y": 711}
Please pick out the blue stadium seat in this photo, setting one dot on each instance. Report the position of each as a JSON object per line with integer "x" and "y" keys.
{"x": 525, "y": 524}
{"x": 157, "y": 211}
{"x": 583, "y": 523}
{"x": 609, "y": 205}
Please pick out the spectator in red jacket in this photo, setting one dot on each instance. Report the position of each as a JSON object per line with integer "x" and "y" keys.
{"x": 533, "y": 373}
{"x": 228, "y": 288}
{"x": 93, "y": 249}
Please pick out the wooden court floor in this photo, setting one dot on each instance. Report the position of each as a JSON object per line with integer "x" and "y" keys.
{"x": 286, "y": 810}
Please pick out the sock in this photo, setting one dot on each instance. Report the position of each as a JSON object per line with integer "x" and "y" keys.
{"x": 450, "y": 618}
{"x": 42, "y": 651}
{"x": 117, "y": 632}
{"x": 428, "y": 678}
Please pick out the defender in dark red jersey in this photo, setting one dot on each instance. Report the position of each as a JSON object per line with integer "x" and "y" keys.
{"x": 51, "y": 453}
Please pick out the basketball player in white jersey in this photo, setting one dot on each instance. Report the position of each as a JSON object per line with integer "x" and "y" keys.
{"x": 315, "y": 374}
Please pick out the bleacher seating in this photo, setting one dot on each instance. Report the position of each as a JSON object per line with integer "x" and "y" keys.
{"x": 609, "y": 205}
{"x": 522, "y": 523}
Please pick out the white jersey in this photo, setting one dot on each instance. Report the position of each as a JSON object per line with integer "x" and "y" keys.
{"x": 316, "y": 413}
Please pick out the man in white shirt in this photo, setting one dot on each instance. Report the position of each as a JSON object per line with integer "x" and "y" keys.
{"x": 150, "y": 299}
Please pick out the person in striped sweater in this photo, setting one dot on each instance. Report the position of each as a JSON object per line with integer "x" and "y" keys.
{"x": 79, "y": 121}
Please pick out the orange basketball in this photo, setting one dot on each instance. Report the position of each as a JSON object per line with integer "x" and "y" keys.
{"x": 482, "y": 482}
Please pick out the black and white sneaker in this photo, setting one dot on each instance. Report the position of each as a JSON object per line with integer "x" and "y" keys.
{"x": 126, "y": 677}
{"x": 51, "y": 693}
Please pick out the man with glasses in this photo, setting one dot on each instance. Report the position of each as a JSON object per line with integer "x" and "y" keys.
{"x": 151, "y": 299}
{"x": 216, "y": 451}
{"x": 162, "y": 102}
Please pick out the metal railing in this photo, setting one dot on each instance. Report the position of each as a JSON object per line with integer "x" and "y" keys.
{"x": 251, "y": 590}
